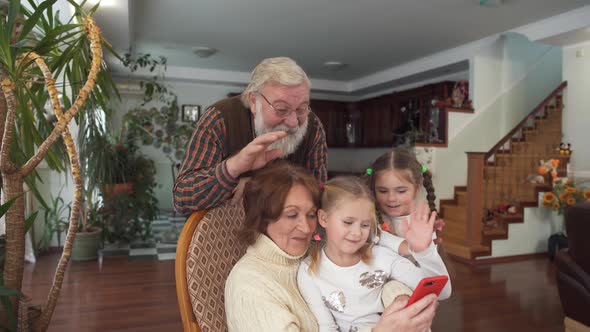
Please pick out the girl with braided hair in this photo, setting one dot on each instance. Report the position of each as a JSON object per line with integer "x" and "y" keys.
{"x": 395, "y": 178}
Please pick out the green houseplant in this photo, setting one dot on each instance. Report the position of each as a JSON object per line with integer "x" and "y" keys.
{"x": 36, "y": 47}
{"x": 119, "y": 182}
{"x": 56, "y": 216}
{"x": 155, "y": 122}
{"x": 127, "y": 213}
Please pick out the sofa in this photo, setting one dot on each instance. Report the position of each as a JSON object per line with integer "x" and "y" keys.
{"x": 573, "y": 268}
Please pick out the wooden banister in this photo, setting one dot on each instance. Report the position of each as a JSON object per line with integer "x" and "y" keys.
{"x": 522, "y": 123}
{"x": 475, "y": 187}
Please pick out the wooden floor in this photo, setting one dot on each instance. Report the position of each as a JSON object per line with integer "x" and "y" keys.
{"x": 127, "y": 295}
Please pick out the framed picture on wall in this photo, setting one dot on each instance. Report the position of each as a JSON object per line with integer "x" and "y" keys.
{"x": 191, "y": 113}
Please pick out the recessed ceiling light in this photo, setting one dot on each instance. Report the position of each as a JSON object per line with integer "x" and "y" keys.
{"x": 203, "y": 51}
{"x": 334, "y": 65}
{"x": 490, "y": 3}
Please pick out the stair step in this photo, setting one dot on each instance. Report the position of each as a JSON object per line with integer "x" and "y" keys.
{"x": 545, "y": 124}
{"x": 535, "y": 135}
{"x": 454, "y": 237}
{"x": 459, "y": 250}
{"x": 462, "y": 251}
{"x": 510, "y": 218}
{"x": 495, "y": 197}
{"x": 542, "y": 130}
{"x": 454, "y": 226}
{"x": 499, "y": 167}
{"x": 495, "y": 233}
{"x": 525, "y": 155}
{"x": 533, "y": 148}
{"x": 453, "y": 212}
{"x": 516, "y": 180}
{"x": 553, "y": 117}
{"x": 542, "y": 140}
{"x": 519, "y": 179}
{"x": 461, "y": 198}
{"x": 518, "y": 191}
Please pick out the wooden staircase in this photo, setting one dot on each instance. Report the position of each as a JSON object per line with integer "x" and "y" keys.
{"x": 499, "y": 177}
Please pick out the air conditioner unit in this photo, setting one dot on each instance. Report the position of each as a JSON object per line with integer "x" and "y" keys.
{"x": 129, "y": 88}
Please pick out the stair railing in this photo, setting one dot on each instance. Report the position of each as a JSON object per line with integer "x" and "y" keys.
{"x": 498, "y": 177}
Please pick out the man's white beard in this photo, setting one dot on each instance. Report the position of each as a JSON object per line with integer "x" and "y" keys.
{"x": 288, "y": 144}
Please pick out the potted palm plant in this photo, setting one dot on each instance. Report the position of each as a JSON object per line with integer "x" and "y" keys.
{"x": 89, "y": 236}
{"x": 35, "y": 49}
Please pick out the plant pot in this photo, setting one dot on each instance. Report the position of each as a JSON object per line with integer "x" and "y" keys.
{"x": 118, "y": 188}
{"x": 111, "y": 191}
{"x": 86, "y": 245}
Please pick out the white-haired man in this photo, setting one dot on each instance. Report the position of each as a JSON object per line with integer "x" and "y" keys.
{"x": 271, "y": 119}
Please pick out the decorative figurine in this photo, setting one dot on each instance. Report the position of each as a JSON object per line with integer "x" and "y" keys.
{"x": 460, "y": 93}
{"x": 433, "y": 123}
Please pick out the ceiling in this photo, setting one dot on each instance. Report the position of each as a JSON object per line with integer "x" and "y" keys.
{"x": 370, "y": 36}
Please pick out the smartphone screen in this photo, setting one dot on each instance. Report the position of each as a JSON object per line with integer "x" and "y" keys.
{"x": 430, "y": 285}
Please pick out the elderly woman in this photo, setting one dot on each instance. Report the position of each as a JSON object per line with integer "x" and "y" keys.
{"x": 261, "y": 291}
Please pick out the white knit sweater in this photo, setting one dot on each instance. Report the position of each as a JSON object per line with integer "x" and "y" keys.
{"x": 261, "y": 292}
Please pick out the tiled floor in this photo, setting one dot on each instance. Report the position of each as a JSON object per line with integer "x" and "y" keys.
{"x": 165, "y": 231}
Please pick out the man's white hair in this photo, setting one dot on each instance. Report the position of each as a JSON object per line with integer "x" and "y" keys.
{"x": 281, "y": 70}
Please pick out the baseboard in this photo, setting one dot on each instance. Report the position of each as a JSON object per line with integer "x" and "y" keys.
{"x": 503, "y": 259}
{"x": 50, "y": 250}
{"x": 579, "y": 174}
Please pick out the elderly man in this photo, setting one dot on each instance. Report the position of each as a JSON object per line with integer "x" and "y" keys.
{"x": 271, "y": 119}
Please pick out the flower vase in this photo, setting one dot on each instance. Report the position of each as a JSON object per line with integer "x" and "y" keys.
{"x": 557, "y": 222}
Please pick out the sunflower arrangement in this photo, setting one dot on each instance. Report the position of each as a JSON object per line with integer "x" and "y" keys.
{"x": 565, "y": 193}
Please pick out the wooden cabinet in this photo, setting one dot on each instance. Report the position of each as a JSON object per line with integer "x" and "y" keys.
{"x": 377, "y": 121}
{"x": 421, "y": 115}
{"x": 383, "y": 121}
{"x": 332, "y": 114}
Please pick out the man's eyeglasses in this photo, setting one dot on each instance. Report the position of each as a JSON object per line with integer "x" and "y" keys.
{"x": 284, "y": 112}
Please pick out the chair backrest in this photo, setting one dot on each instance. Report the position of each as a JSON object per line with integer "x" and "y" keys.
{"x": 577, "y": 225}
{"x": 207, "y": 250}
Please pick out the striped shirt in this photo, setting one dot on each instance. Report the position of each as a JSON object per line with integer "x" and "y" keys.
{"x": 203, "y": 180}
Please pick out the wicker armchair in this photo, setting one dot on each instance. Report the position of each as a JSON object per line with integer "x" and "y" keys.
{"x": 207, "y": 250}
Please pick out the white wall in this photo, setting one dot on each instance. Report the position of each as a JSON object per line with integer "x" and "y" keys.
{"x": 531, "y": 72}
{"x": 576, "y": 116}
{"x": 352, "y": 160}
{"x": 486, "y": 82}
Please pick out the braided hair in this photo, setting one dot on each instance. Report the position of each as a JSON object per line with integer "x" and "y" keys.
{"x": 404, "y": 162}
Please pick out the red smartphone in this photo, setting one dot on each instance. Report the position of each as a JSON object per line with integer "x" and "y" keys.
{"x": 430, "y": 285}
